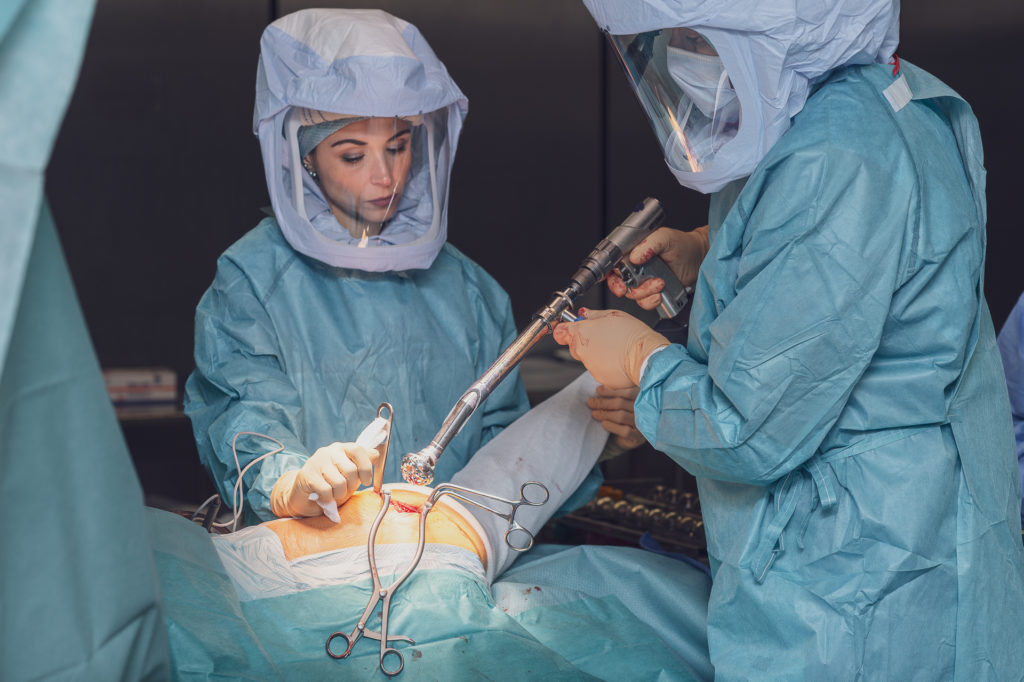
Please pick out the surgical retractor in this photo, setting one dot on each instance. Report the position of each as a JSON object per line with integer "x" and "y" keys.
{"x": 418, "y": 467}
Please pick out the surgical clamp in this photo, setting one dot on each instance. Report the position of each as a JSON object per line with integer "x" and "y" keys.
{"x": 377, "y": 595}
{"x": 514, "y": 528}
{"x": 380, "y": 593}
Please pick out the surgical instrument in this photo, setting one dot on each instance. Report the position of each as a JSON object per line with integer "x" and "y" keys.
{"x": 379, "y": 593}
{"x": 377, "y": 436}
{"x": 418, "y": 467}
{"x": 514, "y": 528}
{"x": 382, "y": 595}
{"x": 674, "y": 296}
{"x": 382, "y": 448}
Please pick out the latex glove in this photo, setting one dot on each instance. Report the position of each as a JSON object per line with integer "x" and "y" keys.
{"x": 611, "y": 344}
{"x": 613, "y": 407}
{"x": 334, "y": 472}
{"x": 682, "y": 252}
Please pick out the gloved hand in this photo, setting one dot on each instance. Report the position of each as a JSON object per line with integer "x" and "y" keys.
{"x": 613, "y": 407}
{"x": 334, "y": 472}
{"x": 611, "y": 344}
{"x": 682, "y": 252}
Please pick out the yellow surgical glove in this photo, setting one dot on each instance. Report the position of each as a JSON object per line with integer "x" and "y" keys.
{"x": 611, "y": 344}
{"x": 683, "y": 252}
{"x": 334, "y": 472}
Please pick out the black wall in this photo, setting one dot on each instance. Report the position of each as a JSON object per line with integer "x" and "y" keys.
{"x": 156, "y": 170}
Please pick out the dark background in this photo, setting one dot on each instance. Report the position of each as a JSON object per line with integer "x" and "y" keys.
{"x": 156, "y": 170}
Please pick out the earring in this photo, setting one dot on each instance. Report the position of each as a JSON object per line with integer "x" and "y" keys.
{"x": 309, "y": 169}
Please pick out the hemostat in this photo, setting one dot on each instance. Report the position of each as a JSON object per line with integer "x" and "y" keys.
{"x": 517, "y": 537}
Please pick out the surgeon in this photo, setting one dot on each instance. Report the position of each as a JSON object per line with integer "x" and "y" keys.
{"x": 1011, "y": 348}
{"x": 349, "y": 295}
{"x": 840, "y": 397}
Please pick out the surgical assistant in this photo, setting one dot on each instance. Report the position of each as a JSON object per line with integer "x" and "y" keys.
{"x": 840, "y": 397}
{"x": 349, "y": 295}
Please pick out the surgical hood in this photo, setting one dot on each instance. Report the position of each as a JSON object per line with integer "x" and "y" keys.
{"x": 364, "y": 64}
{"x": 773, "y": 52}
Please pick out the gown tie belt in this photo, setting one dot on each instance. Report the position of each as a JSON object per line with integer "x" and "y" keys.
{"x": 813, "y": 483}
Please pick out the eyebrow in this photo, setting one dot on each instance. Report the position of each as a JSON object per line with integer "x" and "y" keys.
{"x": 407, "y": 131}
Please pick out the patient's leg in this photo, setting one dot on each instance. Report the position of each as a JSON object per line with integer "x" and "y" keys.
{"x": 556, "y": 443}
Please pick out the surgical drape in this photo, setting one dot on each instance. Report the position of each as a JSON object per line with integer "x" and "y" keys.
{"x": 78, "y": 593}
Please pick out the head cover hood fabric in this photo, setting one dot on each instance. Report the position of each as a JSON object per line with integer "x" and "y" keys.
{"x": 359, "y": 63}
{"x": 773, "y": 51}
{"x": 312, "y": 134}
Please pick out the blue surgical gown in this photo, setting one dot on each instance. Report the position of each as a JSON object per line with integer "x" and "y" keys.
{"x": 303, "y": 352}
{"x": 1011, "y": 347}
{"x": 841, "y": 402}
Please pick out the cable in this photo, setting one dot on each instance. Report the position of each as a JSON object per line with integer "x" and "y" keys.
{"x": 236, "y": 495}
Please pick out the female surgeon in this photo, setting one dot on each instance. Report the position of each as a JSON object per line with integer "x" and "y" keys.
{"x": 349, "y": 295}
{"x": 840, "y": 397}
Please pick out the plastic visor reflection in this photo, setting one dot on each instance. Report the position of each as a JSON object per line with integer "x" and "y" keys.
{"x": 677, "y": 130}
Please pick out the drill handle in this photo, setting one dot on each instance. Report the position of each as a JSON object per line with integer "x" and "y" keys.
{"x": 673, "y": 297}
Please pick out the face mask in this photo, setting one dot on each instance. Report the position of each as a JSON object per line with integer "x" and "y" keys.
{"x": 701, "y": 141}
{"x": 702, "y": 78}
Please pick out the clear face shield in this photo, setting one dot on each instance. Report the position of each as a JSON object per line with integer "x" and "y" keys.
{"x": 685, "y": 91}
{"x": 361, "y": 177}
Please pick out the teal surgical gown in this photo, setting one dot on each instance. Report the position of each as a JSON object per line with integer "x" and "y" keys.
{"x": 304, "y": 352}
{"x": 841, "y": 401}
{"x": 1011, "y": 348}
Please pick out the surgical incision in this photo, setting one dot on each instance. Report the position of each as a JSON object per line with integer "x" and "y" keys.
{"x": 305, "y": 536}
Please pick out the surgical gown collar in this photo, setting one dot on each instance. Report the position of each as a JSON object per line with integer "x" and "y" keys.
{"x": 773, "y": 51}
{"x": 360, "y": 63}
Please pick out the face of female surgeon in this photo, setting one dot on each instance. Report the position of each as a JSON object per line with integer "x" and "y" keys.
{"x": 362, "y": 170}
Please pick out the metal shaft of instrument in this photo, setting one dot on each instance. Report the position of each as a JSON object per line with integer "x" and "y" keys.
{"x": 382, "y": 449}
{"x": 488, "y": 381}
{"x": 601, "y": 261}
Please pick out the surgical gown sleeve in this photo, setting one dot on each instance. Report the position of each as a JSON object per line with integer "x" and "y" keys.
{"x": 798, "y": 302}
{"x": 1011, "y": 348}
{"x": 241, "y": 387}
